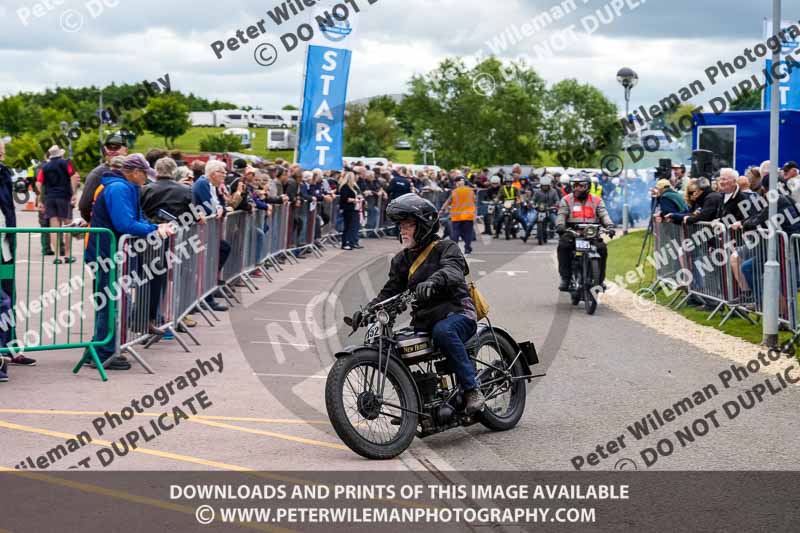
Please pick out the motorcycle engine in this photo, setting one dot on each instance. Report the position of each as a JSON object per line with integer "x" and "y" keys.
{"x": 427, "y": 383}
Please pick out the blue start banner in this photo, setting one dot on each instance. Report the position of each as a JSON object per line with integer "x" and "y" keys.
{"x": 789, "y": 85}
{"x": 324, "y": 96}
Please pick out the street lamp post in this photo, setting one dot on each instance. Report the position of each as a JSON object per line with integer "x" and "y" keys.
{"x": 67, "y": 129}
{"x": 628, "y": 79}
{"x": 772, "y": 268}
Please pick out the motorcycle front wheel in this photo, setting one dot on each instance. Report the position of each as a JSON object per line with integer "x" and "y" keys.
{"x": 373, "y": 426}
{"x": 505, "y": 398}
{"x": 541, "y": 233}
{"x": 593, "y": 278}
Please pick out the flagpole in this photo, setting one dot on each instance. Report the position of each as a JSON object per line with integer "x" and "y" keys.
{"x": 302, "y": 102}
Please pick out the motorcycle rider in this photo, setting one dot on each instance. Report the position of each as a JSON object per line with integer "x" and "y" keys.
{"x": 507, "y": 193}
{"x": 564, "y": 187}
{"x": 444, "y": 306}
{"x": 548, "y": 197}
{"x": 579, "y": 207}
{"x": 491, "y": 194}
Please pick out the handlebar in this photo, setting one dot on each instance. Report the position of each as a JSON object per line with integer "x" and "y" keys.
{"x": 581, "y": 230}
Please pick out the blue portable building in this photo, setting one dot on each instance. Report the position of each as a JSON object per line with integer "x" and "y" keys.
{"x": 741, "y": 138}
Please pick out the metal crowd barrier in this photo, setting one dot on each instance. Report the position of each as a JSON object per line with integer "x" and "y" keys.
{"x": 713, "y": 264}
{"x": 47, "y": 308}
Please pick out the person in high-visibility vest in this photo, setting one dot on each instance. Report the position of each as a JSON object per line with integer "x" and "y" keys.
{"x": 596, "y": 189}
{"x": 462, "y": 213}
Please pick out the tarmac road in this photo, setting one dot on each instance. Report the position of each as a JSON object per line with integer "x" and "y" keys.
{"x": 604, "y": 373}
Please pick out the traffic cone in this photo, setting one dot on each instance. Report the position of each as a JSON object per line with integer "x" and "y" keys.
{"x": 29, "y": 205}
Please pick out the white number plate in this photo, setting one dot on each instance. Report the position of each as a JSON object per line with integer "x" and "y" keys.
{"x": 581, "y": 244}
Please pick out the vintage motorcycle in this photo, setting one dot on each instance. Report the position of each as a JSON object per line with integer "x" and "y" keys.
{"x": 510, "y": 222}
{"x": 544, "y": 228}
{"x": 396, "y": 385}
{"x": 586, "y": 265}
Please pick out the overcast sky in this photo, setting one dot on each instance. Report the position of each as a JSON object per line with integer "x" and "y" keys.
{"x": 669, "y": 43}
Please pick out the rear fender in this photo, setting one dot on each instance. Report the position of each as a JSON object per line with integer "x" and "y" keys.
{"x": 529, "y": 354}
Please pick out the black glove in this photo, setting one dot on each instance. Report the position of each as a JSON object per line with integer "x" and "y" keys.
{"x": 611, "y": 232}
{"x": 424, "y": 291}
{"x": 357, "y": 319}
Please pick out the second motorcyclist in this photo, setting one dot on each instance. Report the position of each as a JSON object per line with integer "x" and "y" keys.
{"x": 579, "y": 207}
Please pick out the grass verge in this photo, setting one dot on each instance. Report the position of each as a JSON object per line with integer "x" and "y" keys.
{"x": 623, "y": 253}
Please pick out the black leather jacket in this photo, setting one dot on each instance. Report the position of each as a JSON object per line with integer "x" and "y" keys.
{"x": 446, "y": 267}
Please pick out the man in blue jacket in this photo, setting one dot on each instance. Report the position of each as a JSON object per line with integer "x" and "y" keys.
{"x": 116, "y": 207}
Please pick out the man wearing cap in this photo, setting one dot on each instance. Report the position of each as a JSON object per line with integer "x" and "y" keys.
{"x": 792, "y": 180}
{"x": 60, "y": 180}
{"x": 114, "y": 146}
{"x": 117, "y": 208}
{"x": 668, "y": 200}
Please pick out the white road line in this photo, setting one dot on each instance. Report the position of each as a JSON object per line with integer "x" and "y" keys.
{"x": 283, "y": 344}
{"x": 281, "y": 320}
{"x": 289, "y": 376}
{"x": 296, "y": 290}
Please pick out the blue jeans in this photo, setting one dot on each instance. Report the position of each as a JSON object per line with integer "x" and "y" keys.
{"x": 463, "y": 229}
{"x": 350, "y": 233}
{"x": 449, "y": 335}
{"x": 101, "y": 315}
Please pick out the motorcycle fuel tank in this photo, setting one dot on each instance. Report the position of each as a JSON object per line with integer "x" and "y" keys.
{"x": 413, "y": 346}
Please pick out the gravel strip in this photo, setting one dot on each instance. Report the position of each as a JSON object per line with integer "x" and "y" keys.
{"x": 668, "y": 322}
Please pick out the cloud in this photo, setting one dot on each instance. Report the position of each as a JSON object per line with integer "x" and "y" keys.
{"x": 668, "y": 43}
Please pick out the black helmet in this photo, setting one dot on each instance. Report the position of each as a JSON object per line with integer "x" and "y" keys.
{"x": 508, "y": 179}
{"x": 414, "y": 207}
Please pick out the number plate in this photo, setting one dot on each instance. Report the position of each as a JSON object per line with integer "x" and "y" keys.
{"x": 581, "y": 244}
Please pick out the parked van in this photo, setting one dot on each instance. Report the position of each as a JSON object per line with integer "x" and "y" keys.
{"x": 267, "y": 119}
{"x": 231, "y": 118}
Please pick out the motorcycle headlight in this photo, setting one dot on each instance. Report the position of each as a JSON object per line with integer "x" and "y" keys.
{"x": 383, "y": 317}
{"x": 590, "y": 232}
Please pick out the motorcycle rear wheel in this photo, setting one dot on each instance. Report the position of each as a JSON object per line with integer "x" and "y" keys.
{"x": 541, "y": 233}
{"x": 359, "y": 417}
{"x": 505, "y": 410}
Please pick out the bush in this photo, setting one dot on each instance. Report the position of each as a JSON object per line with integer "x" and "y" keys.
{"x": 221, "y": 143}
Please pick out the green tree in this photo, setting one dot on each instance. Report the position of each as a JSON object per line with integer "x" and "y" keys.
{"x": 289, "y": 107}
{"x": 221, "y": 143}
{"x": 486, "y": 115}
{"x": 369, "y": 132}
{"x": 579, "y": 121}
{"x": 168, "y": 117}
{"x": 16, "y": 114}
{"x": 384, "y": 103}
{"x": 749, "y": 100}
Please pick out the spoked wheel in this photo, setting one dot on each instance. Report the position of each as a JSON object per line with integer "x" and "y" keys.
{"x": 374, "y": 426}
{"x": 505, "y": 398}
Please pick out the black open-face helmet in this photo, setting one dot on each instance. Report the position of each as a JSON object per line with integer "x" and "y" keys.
{"x": 414, "y": 207}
